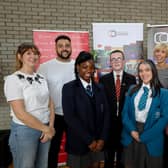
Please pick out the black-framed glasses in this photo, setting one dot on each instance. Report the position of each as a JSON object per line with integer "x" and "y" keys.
{"x": 116, "y": 59}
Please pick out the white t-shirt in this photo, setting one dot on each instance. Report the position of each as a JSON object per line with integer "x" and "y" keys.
{"x": 57, "y": 74}
{"x": 33, "y": 90}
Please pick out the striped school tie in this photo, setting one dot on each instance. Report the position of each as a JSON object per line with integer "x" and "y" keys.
{"x": 118, "y": 87}
{"x": 89, "y": 90}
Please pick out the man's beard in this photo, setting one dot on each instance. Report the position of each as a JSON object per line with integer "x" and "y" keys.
{"x": 61, "y": 55}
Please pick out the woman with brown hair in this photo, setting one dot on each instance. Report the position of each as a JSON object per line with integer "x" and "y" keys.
{"x": 31, "y": 111}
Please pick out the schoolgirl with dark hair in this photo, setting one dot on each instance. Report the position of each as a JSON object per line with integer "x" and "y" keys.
{"x": 86, "y": 115}
{"x": 144, "y": 117}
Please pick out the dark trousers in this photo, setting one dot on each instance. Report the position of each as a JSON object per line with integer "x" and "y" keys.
{"x": 5, "y": 154}
{"x": 113, "y": 158}
{"x": 59, "y": 126}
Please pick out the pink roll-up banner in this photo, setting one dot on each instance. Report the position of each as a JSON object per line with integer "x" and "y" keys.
{"x": 45, "y": 41}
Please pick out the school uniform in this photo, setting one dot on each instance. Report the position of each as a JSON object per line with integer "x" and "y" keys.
{"x": 87, "y": 118}
{"x": 113, "y": 147}
{"x": 150, "y": 123}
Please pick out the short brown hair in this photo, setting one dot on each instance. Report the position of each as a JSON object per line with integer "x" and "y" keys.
{"x": 117, "y": 51}
{"x": 22, "y": 49}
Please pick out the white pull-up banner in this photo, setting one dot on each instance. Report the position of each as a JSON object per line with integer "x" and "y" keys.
{"x": 127, "y": 37}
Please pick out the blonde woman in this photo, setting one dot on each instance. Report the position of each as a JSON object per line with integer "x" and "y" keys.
{"x": 160, "y": 56}
{"x": 31, "y": 110}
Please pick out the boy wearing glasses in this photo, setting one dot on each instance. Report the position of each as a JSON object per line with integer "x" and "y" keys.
{"x": 116, "y": 84}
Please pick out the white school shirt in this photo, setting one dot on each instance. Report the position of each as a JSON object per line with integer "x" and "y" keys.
{"x": 141, "y": 116}
{"x": 33, "y": 89}
{"x": 85, "y": 84}
{"x": 115, "y": 78}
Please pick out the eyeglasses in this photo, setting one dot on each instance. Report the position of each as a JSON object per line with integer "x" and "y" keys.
{"x": 116, "y": 59}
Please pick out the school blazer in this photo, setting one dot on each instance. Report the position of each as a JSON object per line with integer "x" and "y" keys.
{"x": 157, "y": 119}
{"x": 79, "y": 116}
{"x": 108, "y": 82}
{"x": 110, "y": 90}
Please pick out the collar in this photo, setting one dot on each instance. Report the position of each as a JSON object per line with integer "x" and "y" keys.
{"x": 84, "y": 83}
{"x": 115, "y": 74}
{"x": 146, "y": 85}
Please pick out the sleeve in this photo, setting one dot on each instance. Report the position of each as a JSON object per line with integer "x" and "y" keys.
{"x": 106, "y": 128}
{"x": 101, "y": 80}
{"x": 12, "y": 88}
{"x": 70, "y": 116}
{"x": 127, "y": 115}
{"x": 159, "y": 126}
{"x": 134, "y": 80}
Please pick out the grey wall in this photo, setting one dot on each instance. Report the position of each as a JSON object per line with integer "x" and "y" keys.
{"x": 19, "y": 17}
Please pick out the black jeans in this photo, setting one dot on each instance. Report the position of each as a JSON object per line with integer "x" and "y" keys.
{"x": 59, "y": 126}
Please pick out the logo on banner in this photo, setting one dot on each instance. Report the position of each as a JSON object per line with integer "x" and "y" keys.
{"x": 161, "y": 37}
{"x": 114, "y": 33}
